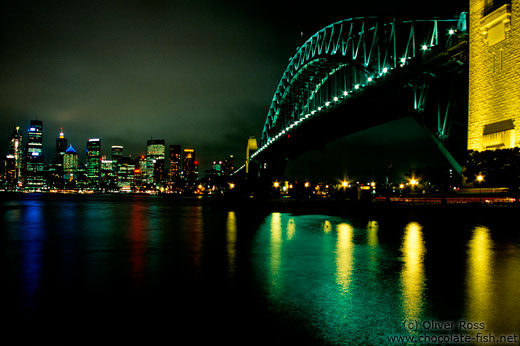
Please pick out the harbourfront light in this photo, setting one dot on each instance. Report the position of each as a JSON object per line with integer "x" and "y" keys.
{"x": 345, "y": 93}
{"x": 385, "y": 69}
{"x": 327, "y": 103}
{"x": 451, "y": 31}
{"x": 369, "y": 79}
{"x": 403, "y": 60}
{"x": 424, "y": 47}
{"x": 356, "y": 86}
{"x": 336, "y": 99}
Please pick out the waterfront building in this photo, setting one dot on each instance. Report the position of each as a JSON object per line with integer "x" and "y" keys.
{"x": 55, "y": 173}
{"x": 228, "y": 166}
{"x": 127, "y": 174}
{"x": 494, "y": 71}
{"x": 175, "y": 156}
{"x": 70, "y": 167}
{"x": 34, "y": 156}
{"x": 155, "y": 154}
{"x": 16, "y": 150}
{"x": 61, "y": 145}
{"x": 93, "y": 163}
{"x": 189, "y": 164}
{"x": 108, "y": 176}
{"x": 8, "y": 173}
{"x": 117, "y": 152}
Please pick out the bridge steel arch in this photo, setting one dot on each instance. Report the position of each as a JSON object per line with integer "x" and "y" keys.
{"x": 348, "y": 58}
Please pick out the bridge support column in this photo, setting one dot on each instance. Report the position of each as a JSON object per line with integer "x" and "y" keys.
{"x": 454, "y": 164}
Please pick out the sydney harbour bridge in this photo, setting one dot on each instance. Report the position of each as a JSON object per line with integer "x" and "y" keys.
{"x": 362, "y": 72}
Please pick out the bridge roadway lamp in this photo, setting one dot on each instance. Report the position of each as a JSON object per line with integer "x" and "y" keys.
{"x": 480, "y": 179}
{"x": 251, "y": 146}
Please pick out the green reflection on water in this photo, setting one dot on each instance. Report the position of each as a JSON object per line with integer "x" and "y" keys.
{"x": 276, "y": 249}
{"x": 344, "y": 256}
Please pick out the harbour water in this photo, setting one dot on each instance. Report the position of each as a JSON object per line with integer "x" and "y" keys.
{"x": 153, "y": 270}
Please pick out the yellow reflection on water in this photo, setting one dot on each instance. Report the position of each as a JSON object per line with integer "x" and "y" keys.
{"x": 327, "y": 227}
{"x": 344, "y": 256}
{"x": 276, "y": 247}
{"x": 479, "y": 276}
{"x": 231, "y": 236}
{"x": 291, "y": 228}
{"x": 372, "y": 238}
{"x": 412, "y": 274}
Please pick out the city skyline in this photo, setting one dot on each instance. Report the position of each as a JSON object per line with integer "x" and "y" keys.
{"x": 201, "y": 74}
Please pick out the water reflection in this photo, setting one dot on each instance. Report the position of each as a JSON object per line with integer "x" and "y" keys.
{"x": 138, "y": 241}
{"x": 327, "y": 227}
{"x": 32, "y": 232}
{"x": 276, "y": 248}
{"x": 373, "y": 244}
{"x": 195, "y": 231}
{"x": 344, "y": 256}
{"x": 479, "y": 276}
{"x": 231, "y": 236}
{"x": 412, "y": 274}
{"x": 291, "y": 228}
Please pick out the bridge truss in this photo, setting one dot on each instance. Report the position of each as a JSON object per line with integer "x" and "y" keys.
{"x": 347, "y": 58}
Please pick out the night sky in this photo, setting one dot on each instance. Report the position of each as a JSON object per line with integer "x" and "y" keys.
{"x": 198, "y": 74}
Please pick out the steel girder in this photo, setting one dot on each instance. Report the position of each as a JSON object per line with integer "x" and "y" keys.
{"x": 347, "y": 56}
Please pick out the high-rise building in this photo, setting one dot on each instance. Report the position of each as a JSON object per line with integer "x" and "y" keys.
{"x": 34, "y": 156}
{"x": 93, "y": 162}
{"x": 70, "y": 167}
{"x": 494, "y": 73}
{"x": 228, "y": 166}
{"x": 55, "y": 173}
{"x": 16, "y": 150}
{"x": 175, "y": 163}
{"x": 189, "y": 164}
{"x": 155, "y": 153}
{"x": 61, "y": 145}
{"x": 8, "y": 175}
{"x": 127, "y": 174}
{"x": 117, "y": 152}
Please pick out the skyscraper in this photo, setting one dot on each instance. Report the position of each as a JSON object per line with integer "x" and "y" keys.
{"x": 16, "y": 150}
{"x": 117, "y": 152}
{"x": 61, "y": 145}
{"x": 175, "y": 163}
{"x": 155, "y": 149}
{"x": 70, "y": 166}
{"x": 93, "y": 162}
{"x": 189, "y": 164}
{"x": 55, "y": 174}
{"x": 34, "y": 156}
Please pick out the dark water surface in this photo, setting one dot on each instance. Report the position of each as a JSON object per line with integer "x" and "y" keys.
{"x": 154, "y": 271}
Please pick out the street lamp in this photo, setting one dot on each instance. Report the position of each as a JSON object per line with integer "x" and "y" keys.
{"x": 480, "y": 179}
